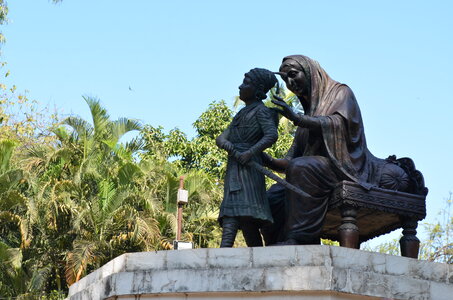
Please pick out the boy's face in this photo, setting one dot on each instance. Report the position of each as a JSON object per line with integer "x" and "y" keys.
{"x": 247, "y": 90}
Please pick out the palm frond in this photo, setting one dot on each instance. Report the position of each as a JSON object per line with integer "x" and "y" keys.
{"x": 12, "y": 199}
{"x": 124, "y": 125}
{"x": 200, "y": 185}
{"x": 237, "y": 102}
{"x": 10, "y": 179}
{"x": 107, "y": 193}
{"x": 10, "y": 256}
{"x": 61, "y": 133}
{"x": 78, "y": 259}
{"x": 6, "y": 151}
{"x": 82, "y": 130}
{"x": 167, "y": 221}
{"x": 35, "y": 158}
{"x": 171, "y": 184}
{"x": 134, "y": 145}
{"x": 128, "y": 173}
{"x": 38, "y": 279}
{"x": 99, "y": 115}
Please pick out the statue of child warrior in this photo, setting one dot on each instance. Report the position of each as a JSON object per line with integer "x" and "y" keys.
{"x": 253, "y": 129}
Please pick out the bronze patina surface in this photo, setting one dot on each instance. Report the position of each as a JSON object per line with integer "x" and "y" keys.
{"x": 329, "y": 152}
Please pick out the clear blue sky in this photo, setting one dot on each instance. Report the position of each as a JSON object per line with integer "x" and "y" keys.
{"x": 178, "y": 56}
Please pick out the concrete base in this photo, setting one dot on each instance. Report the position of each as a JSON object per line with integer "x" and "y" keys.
{"x": 251, "y": 296}
{"x": 287, "y": 272}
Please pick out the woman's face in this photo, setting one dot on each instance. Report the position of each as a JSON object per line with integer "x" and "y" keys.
{"x": 247, "y": 90}
{"x": 295, "y": 79}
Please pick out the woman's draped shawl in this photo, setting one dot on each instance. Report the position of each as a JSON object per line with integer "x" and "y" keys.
{"x": 341, "y": 124}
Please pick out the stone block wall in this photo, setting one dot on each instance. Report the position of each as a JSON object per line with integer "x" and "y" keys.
{"x": 286, "y": 272}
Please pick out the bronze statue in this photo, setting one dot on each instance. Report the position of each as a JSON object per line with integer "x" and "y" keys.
{"x": 253, "y": 129}
{"x": 329, "y": 146}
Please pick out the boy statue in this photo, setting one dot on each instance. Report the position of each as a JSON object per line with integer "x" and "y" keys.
{"x": 253, "y": 129}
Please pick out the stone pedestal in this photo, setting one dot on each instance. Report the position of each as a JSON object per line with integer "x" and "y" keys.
{"x": 271, "y": 273}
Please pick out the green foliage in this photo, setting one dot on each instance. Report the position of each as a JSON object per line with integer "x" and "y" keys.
{"x": 21, "y": 119}
{"x": 75, "y": 201}
{"x": 4, "y": 14}
{"x": 3, "y": 17}
{"x": 200, "y": 155}
{"x": 19, "y": 274}
{"x": 329, "y": 242}
{"x": 19, "y": 277}
{"x": 75, "y": 197}
{"x": 439, "y": 245}
{"x": 202, "y": 164}
{"x": 391, "y": 247}
{"x": 72, "y": 197}
{"x": 77, "y": 206}
{"x": 201, "y": 152}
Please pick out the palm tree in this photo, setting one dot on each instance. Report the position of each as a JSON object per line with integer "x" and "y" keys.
{"x": 202, "y": 211}
{"x": 86, "y": 207}
{"x": 19, "y": 275}
{"x": 12, "y": 201}
{"x": 18, "y": 278}
{"x": 110, "y": 218}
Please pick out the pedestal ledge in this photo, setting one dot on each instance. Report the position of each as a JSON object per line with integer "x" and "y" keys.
{"x": 287, "y": 272}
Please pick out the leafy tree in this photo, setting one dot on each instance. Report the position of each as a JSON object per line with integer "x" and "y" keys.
{"x": 73, "y": 201}
{"x": 439, "y": 245}
{"x": 79, "y": 204}
{"x": 3, "y": 18}
{"x": 19, "y": 273}
{"x": 4, "y": 13}
{"x": 13, "y": 226}
{"x": 22, "y": 119}
{"x": 199, "y": 153}
{"x": 201, "y": 163}
{"x": 92, "y": 183}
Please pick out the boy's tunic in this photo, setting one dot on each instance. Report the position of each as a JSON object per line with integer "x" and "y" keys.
{"x": 253, "y": 128}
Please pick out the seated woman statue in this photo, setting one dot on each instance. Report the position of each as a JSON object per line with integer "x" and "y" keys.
{"x": 329, "y": 146}
{"x": 253, "y": 129}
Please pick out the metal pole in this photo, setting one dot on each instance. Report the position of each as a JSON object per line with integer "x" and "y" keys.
{"x": 179, "y": 218}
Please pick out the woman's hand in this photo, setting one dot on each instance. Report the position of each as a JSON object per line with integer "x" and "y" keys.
{"x": 286, "y": 110}
{"x": 245, "y": 157}
{"x": 267, "y": 159}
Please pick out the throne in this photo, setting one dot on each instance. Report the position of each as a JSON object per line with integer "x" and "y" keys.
{"x": 356, "y": 215}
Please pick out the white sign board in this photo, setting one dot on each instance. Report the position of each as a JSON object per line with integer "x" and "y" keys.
{"x": 178, "y": 245}
{"x": 183, "y": 196}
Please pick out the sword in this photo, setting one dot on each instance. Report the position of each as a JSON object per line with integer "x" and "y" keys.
{"x": 271, "y": 175}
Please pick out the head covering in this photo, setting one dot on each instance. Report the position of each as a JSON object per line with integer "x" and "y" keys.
{"x": 341, "y": 121}
{"x": 264, "y": 78}
{"x": 319, "y": 81}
